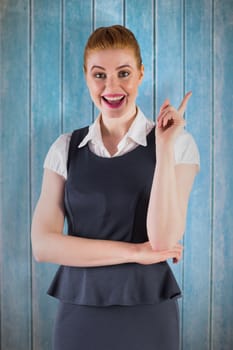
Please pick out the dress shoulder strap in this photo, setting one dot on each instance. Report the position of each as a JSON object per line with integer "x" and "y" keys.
{"x": 76, "y": 137}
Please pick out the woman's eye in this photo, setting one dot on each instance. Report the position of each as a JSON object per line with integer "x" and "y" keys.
{"x": 100, "y": 75}
{"x": 123, "y": 74}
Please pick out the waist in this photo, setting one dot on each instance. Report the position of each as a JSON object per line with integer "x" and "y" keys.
{"x": 123, "y": 284}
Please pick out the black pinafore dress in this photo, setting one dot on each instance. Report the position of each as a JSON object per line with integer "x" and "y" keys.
{"x": 115, "y": 307}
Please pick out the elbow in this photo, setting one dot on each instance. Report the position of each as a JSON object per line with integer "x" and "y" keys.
{"x": 160, "y": 245}
{"x": 38, "y": 257}
{"x": 37, "y": 248}
{"x": 164, "y": 241}
{"x": 37, "y": 254}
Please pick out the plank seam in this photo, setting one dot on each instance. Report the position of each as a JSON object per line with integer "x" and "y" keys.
{"x": 212, "y": 187}
{"x": 30, "y": 165}
{"x": 30, "y": 156}
{"x": 62, "y": 38}
{"x": 155, "y": 53}
{"x": 154, "y": 9}
{"x": 93, "y": 28}
{"x": 183, "y": 48}
{"x": 1, "y": 177}
{"x": 124, "y": 12}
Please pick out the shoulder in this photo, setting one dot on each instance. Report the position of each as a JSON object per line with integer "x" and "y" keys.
{"x": 56, "y": 157}
{"x": 61, "y": 144}
{"x": 186, "y": 149}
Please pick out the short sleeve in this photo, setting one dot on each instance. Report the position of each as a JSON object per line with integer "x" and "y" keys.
{"x": 186, "y": 150}
{"x": 56, "y": 158}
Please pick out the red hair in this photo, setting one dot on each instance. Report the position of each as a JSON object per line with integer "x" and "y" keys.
{"x": 113, "y": 37}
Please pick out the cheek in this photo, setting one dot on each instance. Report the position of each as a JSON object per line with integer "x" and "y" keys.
{"x": 93, "y": 87}
{"x": 132, "y": 87}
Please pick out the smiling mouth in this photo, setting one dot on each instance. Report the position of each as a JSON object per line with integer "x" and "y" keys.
{"x": 114, "y": 101}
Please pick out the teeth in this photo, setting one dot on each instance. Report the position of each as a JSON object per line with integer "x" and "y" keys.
{"x": 117, "y": 98}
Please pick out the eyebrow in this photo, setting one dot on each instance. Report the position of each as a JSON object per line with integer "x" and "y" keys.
{"x": 120, "y": 67}
{"x": 99, "y": 67}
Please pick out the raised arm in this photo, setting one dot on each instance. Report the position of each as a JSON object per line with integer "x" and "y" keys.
{"x": 51, "y": 245}
{"x": 172, "y": 183}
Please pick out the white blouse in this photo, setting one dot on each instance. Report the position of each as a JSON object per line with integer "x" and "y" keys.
{"x": 185, "y": 148}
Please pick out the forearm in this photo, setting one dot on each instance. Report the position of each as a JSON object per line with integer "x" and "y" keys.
{"x": 77, "y": 251}
{"x": 165, "y": 219}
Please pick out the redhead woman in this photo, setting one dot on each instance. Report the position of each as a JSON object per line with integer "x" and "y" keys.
{"x": 123, "y": 184}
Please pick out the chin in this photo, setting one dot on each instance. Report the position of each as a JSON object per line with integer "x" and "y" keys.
{"x": 117, "y": 113}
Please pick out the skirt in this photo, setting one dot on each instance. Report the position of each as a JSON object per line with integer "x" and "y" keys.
{"x": 116, "y": 327}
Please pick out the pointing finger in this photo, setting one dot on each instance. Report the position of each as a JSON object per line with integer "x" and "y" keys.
{"x": 165, "y": 104}
{"x": 184, "y": 102}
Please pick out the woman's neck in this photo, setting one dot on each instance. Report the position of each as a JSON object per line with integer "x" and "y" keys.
{"x": 116, "y": 128}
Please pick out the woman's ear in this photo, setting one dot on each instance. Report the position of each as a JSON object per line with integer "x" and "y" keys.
{"x": 85, "y": 75}
{"x": 141, "y": 73}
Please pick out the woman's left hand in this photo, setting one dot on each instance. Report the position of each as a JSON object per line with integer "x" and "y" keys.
{"x": 170, "y": 121}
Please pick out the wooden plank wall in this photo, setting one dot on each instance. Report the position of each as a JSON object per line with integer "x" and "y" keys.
{"x": 186, "y": 45}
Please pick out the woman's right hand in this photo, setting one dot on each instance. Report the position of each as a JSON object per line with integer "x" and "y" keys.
{"x": 146, "y": 255}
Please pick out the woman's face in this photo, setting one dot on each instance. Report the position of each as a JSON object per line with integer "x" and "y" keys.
{"x": 113, "y": 78}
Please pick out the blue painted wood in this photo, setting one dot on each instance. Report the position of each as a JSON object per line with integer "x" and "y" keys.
{"x": 48, "y": 97}
{"x": 107, "y": 14}
{"x": 139, "y": 19}
{"x": 169, "y": 49}
{"x": 76, "y": 100}
{"x": 15, "y": 286}
{"x": 46, "y": 126}
{"x": 198, "y": 237}
{"x": 222, "y": 258}
{"x": 169, "y": 72}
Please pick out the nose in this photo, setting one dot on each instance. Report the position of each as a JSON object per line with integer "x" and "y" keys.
{"x": 111, "y": 82}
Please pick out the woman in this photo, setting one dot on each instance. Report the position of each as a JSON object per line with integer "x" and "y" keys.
{"x": 123, "y": 185}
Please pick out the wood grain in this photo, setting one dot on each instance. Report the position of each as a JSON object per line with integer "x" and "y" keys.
{"x": 198, "y": 238}
{"x": 222, "y": 255}
{"x": 15, "y": 178}
{"x": 186, "y": 45}
{"x": 46, "y": 60}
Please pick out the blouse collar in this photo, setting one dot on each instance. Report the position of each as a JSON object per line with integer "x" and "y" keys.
{"x": 137, "y": 132}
